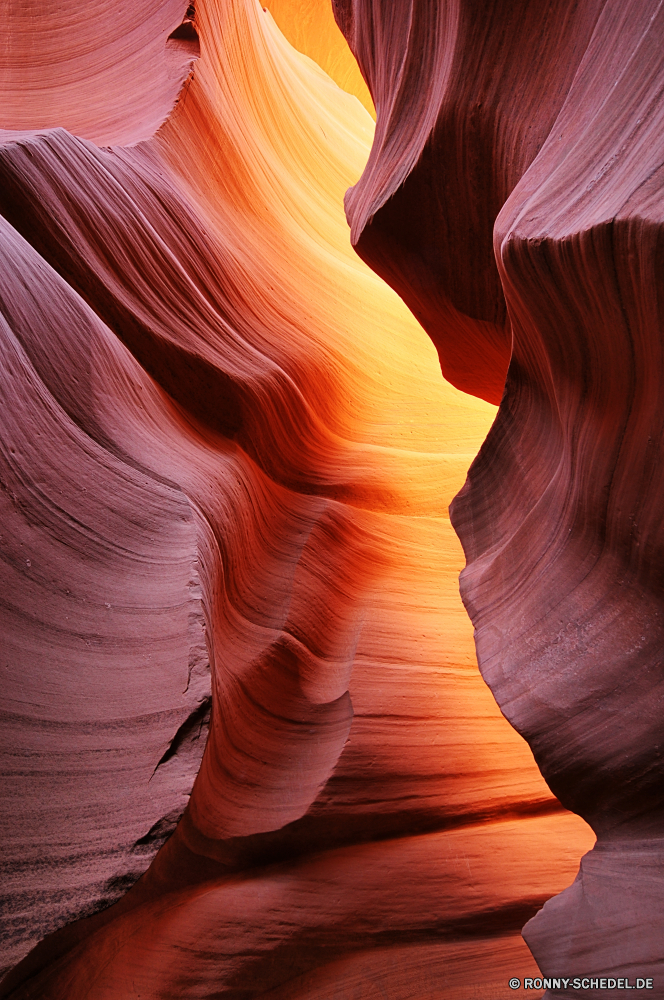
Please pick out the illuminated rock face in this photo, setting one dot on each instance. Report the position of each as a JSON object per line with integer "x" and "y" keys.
{"x": 547, "y": 160}
{"x": 226, "y": 468}
{"x": 310, "y": 27}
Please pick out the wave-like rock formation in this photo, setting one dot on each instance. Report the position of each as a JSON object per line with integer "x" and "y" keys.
{"x": 310, "y": 27}
{"x": 111, "y": 74}
{"x": 227, "y": 459}
{"x": 516, "y": 204}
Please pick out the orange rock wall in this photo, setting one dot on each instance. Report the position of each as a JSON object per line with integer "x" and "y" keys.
{"x": 226, "y": 478}
{"x": 310, "y": 27}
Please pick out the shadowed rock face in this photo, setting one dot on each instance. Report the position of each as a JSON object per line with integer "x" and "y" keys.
{"x": 227, "y": 460}
{"x": 465, "y": 94}
{"x": 547, "y": 165}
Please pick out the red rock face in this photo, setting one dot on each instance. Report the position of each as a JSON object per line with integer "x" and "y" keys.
{"x": 227, "y": 461}
{"x": 537, "y": 145}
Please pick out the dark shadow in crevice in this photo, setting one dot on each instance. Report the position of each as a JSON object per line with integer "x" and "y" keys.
{"x": 191, "y": 729}
{"x": 185, "y": 34}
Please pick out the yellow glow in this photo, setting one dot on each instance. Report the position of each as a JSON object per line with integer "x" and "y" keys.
{"x": 310, "y": 27}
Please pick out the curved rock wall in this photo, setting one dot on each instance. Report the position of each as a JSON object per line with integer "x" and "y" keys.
{"x": 310, "y": 27}
{"x": 227, "y": 475}
{"x": 538, "y": 146}
{"x": 465, "y": 93}
{"x": 104, "y": 657}
{"x": 111, "y": 75}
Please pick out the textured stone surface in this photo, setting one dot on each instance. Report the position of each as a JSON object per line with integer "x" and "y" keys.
{"x": 538, "y": 145}
{"x": 465, "y": 93}
{"x": 230, "y": 442}
{"x": 310, "y": 27}
{"x": 112, "y": 76}
{"x": 103, "y": 650}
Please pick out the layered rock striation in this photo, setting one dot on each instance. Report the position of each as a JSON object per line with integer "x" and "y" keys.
{"x": 537, "y": 143}
{"x": 227, "y": 465}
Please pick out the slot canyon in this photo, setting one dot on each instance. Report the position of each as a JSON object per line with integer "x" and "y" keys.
{"x": 331, "y": 635}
